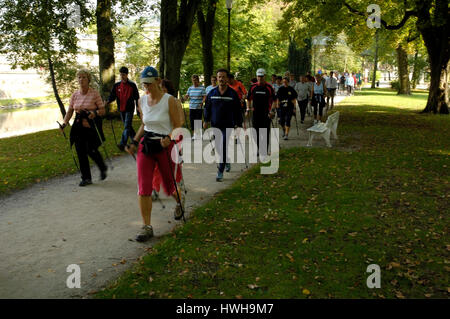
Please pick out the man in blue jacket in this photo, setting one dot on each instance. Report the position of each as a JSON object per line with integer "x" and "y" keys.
{"x": 223, "y": 111}
{"x": 126, "y": 95}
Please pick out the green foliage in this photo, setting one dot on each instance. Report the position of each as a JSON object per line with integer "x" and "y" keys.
{"x": 34, "y": 32}
{"x": 141, "y": 49}
{"x": 255, "y": 43}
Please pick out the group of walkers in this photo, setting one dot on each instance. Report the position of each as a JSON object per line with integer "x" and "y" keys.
{"x": 224, "y": 105}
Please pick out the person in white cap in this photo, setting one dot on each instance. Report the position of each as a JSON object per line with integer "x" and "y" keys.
{"x": 261, "y": 97}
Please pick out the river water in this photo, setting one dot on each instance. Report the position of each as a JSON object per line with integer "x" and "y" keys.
{"x": 28, "y": 121}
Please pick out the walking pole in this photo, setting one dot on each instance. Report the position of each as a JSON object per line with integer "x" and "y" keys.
{"x": 176, "y": 188}
{"x": 182, "y": 176}
{"x": 296, "y": 123}
{"x": 103, "y": 144}
{"x": 71, "y": 150}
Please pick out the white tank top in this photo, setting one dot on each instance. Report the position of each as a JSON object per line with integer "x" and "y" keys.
{"x": 156, "y": 118}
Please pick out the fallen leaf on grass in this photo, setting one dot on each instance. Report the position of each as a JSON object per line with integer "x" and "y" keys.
{"x": 399, "y": 295}
{"x": 290, "y": 258}
{"x": 251, "y": 286}
{"x": 306, "y": 292}
{"x": 353, "y": 234}
{"x": 294, "y": 197}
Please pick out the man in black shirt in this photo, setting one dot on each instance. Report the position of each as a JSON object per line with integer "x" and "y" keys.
{"x": 286, "y": 98}
{"x": 261, "y": 98}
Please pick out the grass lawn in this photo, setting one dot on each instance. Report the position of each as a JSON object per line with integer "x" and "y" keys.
{"x": 311, "y": 230}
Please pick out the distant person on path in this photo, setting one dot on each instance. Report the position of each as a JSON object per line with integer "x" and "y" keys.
{"x": 261, "y": 98}
{"x": 196, "y": 95}
{"x": 274, "y": 79}
{"x": 349, "y": 82}
{"x": 126, "y": 94}
{"x": 342, "y": 83}
{"x": 240, "y": 90}
{"x": 359, "y": 79}
{"x": 87, "y": 126}
{"x": 292, "y": 81}
{"x": 213, "y": 84}
{"x": 303, "y": 89}
{"x": 318, "y": 93}
{"x": 160, "y": 116}
{"x": 223, "y": 111}
{"x": 331, "y": 84}
{"x": 286, "y": 98}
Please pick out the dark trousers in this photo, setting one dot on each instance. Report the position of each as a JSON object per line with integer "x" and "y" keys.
{"x": 261, "y": 137}
{"x": 222, "y": 153}
{"x": 318, "y": 102}
{"x": 286, "y": 116}
{"x": 128, "y": 131}
{"x": 195, "y": 114}
{"x": 302, "y": 106}
{"x": 84, "y": 149}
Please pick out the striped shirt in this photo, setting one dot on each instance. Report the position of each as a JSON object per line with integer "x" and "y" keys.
{"x": 196, "y": 95}
{"x": 209, "y": 88}
{"x": 90, "y": 101}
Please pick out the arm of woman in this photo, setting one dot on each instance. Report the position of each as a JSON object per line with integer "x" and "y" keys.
{"x": 69, "y": 112}
{"x": 132, "y": 148}
{"x": 174, "y": 119}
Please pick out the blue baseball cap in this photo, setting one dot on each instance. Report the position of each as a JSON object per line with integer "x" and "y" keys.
{"x": 149, "y": 75}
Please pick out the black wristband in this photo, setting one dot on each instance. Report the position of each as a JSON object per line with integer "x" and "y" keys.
{"x": 136, "y": 143}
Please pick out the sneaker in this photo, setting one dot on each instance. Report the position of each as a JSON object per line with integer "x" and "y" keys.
{"x": 285, "y": 137}
{"x": 219, "y": 177}
{"x": 85, "y": 182}
{"x": 179, "y": 209}
{"x": 121, "y": 147}
{"x": 155, "y": 195}
{"x": 227, "y": 167}
{"x": 301, "y": 121}
{"x": 103, "y": 174}
{"x": 145, "y": 234}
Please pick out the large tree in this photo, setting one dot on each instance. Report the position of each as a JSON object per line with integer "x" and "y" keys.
{"x": 205, "y": 24}
{"x": 38, "y": 34}
{"x": 105, "y": 43}
{"x": 177, "y": 18}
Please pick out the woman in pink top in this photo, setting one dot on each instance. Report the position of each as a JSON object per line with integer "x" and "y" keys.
{"x": 86, "y": 132}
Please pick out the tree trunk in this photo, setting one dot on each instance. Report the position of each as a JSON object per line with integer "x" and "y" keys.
{"x": 206, "y": 27}
{"x": 105, "y": 43}
{"x": 375, "y": 62}
{"x": 435, "y": 37}
{"x": 416, "y": 71}
{"x": 403, "y": 74}
{"x": 175, "y": 30}
{"x": 299, "y": 59}
{"x": 55, "y": 89}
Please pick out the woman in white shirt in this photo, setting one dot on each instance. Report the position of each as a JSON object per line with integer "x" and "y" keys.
{"x": 160, "y": 116}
